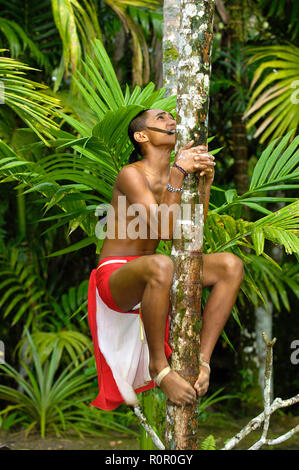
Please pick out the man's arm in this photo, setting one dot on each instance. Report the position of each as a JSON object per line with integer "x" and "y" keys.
{"x": 204, "y": 184}
{"x": 206, "y": 199}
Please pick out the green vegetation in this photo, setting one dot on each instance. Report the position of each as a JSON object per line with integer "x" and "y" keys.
{"x": 68, "y": 95}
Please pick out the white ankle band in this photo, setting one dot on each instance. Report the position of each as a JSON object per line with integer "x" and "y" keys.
{"x": 161, "y": 375}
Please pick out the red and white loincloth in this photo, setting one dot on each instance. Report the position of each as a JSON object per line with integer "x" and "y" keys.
{"x": 120, "y": 346}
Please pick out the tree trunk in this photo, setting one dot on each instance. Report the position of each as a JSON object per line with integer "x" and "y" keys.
{"x": 193, "y": 78}
{"x": 263, "y": 323}
{"x": 240, "y": 151}
{"x": 237, "y": 35}
{"x": 156, "y": 61}
{"x": 119, "y": 53}
{"x": 250, "y": 348}
{"x": 264, "y": 314}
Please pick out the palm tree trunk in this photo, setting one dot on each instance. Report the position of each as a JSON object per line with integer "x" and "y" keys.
{"x": 251, "y": 346}
{"x": 156, "y": 61}
{"x": 237, "y": 35}
{"x": 21, "y": 203}
{"x": 119, "y": 53}
{"x": 240, "y": 151}
{"x": 264, "y": 313}
{"x": 193, "y": 78}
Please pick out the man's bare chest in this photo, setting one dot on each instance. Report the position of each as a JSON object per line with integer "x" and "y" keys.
{"x": 158, "y": 189}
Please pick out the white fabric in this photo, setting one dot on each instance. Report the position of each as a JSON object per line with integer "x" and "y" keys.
{"x": 113, "y": 261}
{"x": 119, "y": 338}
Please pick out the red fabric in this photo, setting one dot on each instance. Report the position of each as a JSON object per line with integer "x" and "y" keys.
{"x": 109, "y": 397}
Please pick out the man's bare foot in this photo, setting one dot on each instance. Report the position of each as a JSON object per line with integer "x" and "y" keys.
{"x": 177, "y": 390}
{"x": 202, "y": 383}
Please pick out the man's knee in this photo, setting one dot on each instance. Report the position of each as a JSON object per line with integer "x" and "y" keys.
{"x": 161, "y": 269}
{"x": 233, "y": 266}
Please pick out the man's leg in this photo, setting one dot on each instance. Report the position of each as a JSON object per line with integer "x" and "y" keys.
{"x": 148, "y": 279}
{"x": 223, "y": 271}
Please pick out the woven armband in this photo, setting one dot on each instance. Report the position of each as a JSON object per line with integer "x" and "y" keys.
{"x": 180, "y": 168}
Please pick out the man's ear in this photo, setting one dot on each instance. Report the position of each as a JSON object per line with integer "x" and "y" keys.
{"x": 141, "y": 137}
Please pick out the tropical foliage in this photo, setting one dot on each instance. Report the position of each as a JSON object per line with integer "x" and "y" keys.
{"x": 55, "y": 400}
{"x": 70, "y": 27}
{"x": 98, "y": 154}
{"x": 104, "y": 148}
{"x": 274, "y": 97}
{"x": 69, "y": 92}
{"x": 21, "y": 96}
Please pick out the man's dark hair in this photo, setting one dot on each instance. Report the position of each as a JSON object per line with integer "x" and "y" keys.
{"x": 136, "y": 125}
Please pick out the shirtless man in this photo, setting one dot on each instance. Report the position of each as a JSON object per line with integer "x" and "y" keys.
{"x": 148, "y": 278}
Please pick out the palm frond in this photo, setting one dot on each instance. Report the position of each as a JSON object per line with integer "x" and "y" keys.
{"x": 68, "y": 343}
{"x": 140, "y": 59}
{"x": 78, "y": 26}
{"x": 283, "y": 9}
{"x": 274, "y": 281}
{"x": 264, "y": 278}
{"x": 18, "y": 41}
{"x": 37, "y": 109}
{"x": 276, "y": 164}
{"x": 280, "y": 227}
{"x": 57, "y": 401}
{"x": 77, "y": 183}
{"x": 70, "y": 306}
{"x": 22, "y": 293}
{"x": 234, "y": 69}
{"x": 99, "y": 93}
{"x": 276, "y": 169}
{"x": 274, "y": 98}
{"x": 30, "y": 32}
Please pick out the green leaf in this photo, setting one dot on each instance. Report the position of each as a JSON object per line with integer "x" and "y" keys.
{"x": 76, "y": 246}
{"x": 258, "y": 239}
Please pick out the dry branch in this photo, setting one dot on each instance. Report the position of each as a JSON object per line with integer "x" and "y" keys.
{"x": 269, "y": 409}
{"x": 148, "y": 428}
{"x": 255, "y": 423}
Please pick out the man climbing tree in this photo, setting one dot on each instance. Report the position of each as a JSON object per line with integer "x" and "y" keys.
{"x": 132, "y": 355}
{"x": 130, "y": 273}
{"x": 192, "y": 39}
